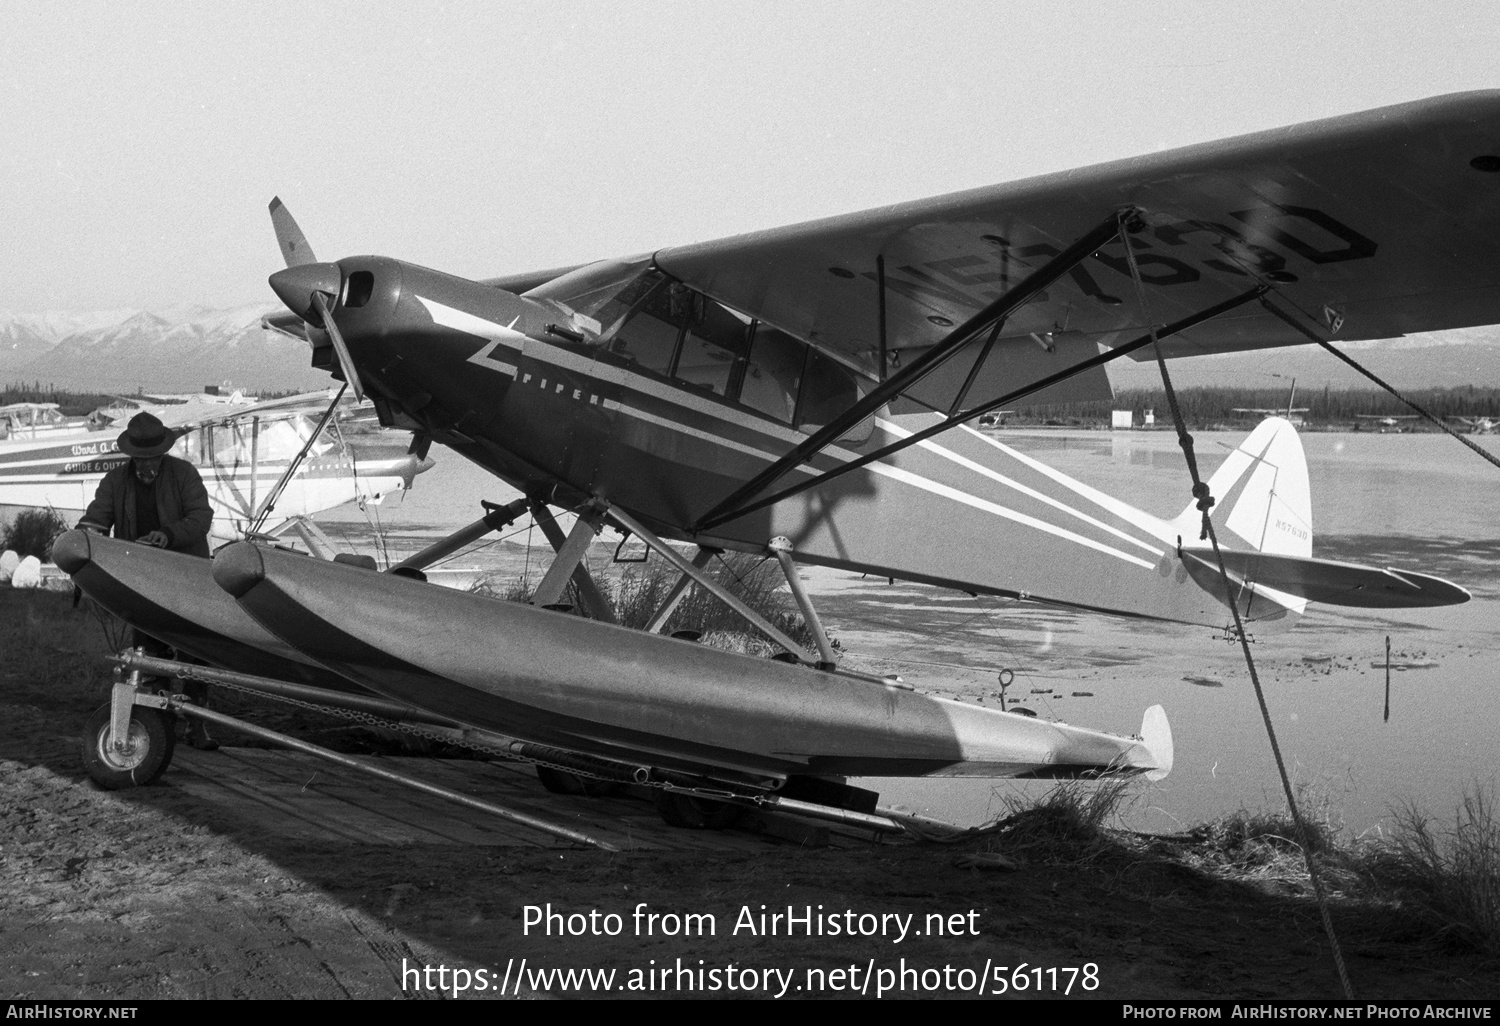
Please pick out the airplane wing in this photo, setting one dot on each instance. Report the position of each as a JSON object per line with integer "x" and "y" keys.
{"x": 194, "y": 413}
{"x": 1364, "y": 226}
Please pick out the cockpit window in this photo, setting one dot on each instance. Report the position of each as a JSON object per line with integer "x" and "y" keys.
{"x": 713, "y": 353}
{"x": 648, "y": 338}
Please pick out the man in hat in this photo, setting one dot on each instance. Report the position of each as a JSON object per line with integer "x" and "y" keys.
{"x": 156, "y": 500}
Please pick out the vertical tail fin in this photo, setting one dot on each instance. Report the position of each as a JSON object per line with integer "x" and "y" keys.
{"x": 1261, "y": 492}
{"x": 1263, "y": 501}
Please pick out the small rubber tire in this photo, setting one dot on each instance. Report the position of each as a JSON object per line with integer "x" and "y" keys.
{"x": 562, "y": 782}
{"x": 152, "y": 740}
{"x": 693, "y": 813}
{"x": 559, "y": 782}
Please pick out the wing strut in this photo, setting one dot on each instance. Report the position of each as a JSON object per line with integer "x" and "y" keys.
{"x": 910, "y": 375}
{"x": 978, "y": 411}
{"x": 671, "y": 555}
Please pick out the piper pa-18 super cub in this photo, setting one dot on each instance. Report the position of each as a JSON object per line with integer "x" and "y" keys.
{"x": 807, "y": 393}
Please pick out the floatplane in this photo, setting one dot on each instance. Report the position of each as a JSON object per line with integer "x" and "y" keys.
{"x": 809, "y": 393}
{"x": 1479, "y": 425}
{"x": 268, "y": 465}
{"x": 1384, "y": 423}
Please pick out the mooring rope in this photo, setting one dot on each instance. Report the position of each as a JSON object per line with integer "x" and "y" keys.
{"x": 1205, "y": 504}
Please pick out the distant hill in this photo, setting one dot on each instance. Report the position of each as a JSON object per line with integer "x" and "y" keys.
{"x": 1439, "y": 359}
{"x": 176, "y": 350}
{"x": 184, "y": 348}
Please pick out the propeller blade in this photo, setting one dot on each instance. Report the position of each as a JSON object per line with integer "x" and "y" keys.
{"x": 294, "y": 247}
{"x": 346, "y": 361}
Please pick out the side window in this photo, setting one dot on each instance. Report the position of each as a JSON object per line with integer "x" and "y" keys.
{"x": 714, "y": 350}
{"x": 773, "y": 373}
{"x": 649, "y": 338}
{"x": 828, "y": 389}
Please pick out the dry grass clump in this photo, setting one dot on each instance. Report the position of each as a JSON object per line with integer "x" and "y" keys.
{"x": 1067, "y": 826}
{"x": 1451, "y": 877}
{"x": 642, "y": 588}
{"x": 32, "y": 533}
{"x": 1251, "y": 839}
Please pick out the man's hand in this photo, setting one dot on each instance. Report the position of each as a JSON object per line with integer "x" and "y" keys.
{"x": 156, "y": 539}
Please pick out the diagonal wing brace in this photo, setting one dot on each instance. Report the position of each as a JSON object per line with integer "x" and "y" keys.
{"x": 975, "y": 412}
{"x": 961, "y": 336}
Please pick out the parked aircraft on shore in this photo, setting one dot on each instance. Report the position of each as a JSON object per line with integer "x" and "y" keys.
{"x": 807, "y": 393}
{"x": 1384, "y": 423}
{"x": 1479, "y": 425}
{"x": 241, "y": 448}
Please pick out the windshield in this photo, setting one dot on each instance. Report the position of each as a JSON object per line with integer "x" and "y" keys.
{"x": 595, "y": 299}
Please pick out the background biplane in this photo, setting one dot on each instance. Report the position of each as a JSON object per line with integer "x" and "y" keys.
{"x": 241, "y": 447}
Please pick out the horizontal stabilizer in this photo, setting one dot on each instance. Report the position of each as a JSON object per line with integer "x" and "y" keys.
{"x": 1324, "y": 580}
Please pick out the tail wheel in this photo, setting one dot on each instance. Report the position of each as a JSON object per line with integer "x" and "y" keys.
{"x": 148, "y": 748}
{"x": 694, "y": 813}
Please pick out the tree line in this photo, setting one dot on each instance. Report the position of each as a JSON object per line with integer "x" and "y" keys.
{"x": 1207, "y": 405}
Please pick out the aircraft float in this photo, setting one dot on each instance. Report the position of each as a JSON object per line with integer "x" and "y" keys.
{"x": 808, "y": 393}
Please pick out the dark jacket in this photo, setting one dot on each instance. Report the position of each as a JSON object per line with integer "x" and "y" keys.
{"x": 181, "y": 505}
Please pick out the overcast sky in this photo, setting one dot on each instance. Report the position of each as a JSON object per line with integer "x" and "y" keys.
{"x": 145, "y": 140}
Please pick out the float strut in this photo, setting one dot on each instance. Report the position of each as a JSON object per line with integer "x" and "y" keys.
{"x": 781, "y": 548}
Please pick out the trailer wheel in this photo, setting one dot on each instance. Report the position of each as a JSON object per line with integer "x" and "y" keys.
{"x": 562, "y": 782}
{"x": 693, "y": 813}
{"x": 147, "y": 755}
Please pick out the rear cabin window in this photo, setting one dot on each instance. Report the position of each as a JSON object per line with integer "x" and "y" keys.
{"x": 828, "y": 389}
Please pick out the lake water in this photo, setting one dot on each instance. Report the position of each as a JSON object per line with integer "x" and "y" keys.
{"x": 1423, "y": 502}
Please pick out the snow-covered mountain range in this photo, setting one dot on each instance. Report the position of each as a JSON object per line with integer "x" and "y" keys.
{"x": 176, "y": 350}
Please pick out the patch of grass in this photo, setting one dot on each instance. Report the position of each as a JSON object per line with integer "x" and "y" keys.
{"x": 53, "y": 654}
{"x": 1248, "y": 838}
{"x": 1451, "y": 877}
{"x": 643, "y": 587}
{"x": 1070, "y": 825}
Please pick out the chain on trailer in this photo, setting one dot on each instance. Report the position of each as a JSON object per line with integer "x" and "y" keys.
{"x": 189, "y": 671}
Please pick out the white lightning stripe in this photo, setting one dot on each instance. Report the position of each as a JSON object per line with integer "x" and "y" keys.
{"x": 1160, "y": 529}
{"x": 548, "y": 354}
{"x": 980, "y": 468}
{"x": 498, "y": 334}
{"x": 458, "y": 319}
{"x": 651, "y": 418}
{"x": 1001, "y": 511}
{"x": 897, "y": 474}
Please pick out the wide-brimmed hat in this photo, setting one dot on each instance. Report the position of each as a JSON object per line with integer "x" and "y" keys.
{"x": 146, "y": 436}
